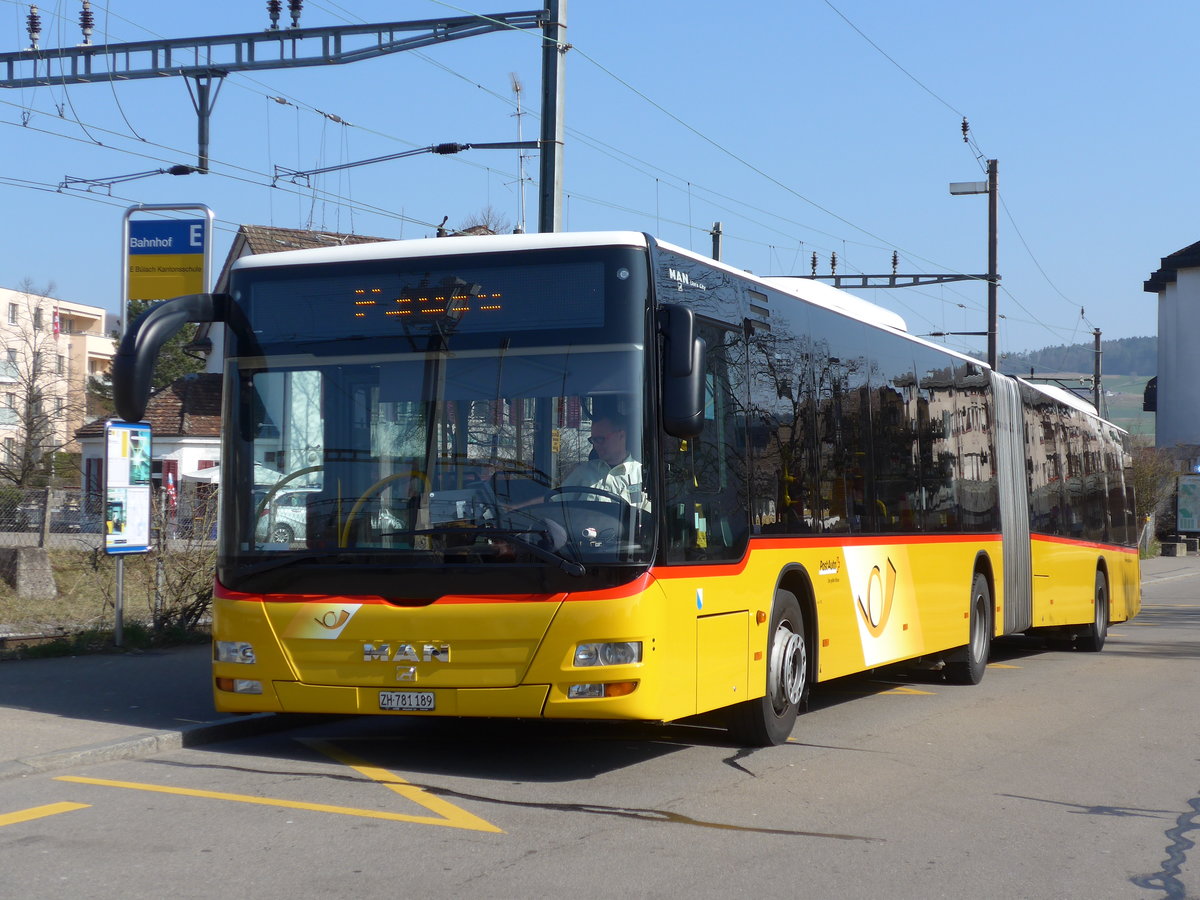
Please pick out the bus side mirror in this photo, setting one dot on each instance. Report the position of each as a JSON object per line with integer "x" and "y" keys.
{"x": 682, "y": 371}
{"x": 133, "y": 365}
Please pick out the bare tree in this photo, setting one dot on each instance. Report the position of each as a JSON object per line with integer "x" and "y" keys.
{"x": 1153, "y": 476}
{"x": 488, "y": 220}
{"x": 38, "y": 399}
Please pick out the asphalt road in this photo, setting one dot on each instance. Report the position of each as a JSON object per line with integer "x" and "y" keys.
{"x": 1063, "y": 774}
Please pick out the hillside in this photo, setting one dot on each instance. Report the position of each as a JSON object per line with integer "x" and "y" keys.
{"x": 1127, "y": 365}
{"x": 1127, "y": 356}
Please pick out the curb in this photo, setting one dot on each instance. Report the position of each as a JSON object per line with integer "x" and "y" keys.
{"x": 154, "y": 742}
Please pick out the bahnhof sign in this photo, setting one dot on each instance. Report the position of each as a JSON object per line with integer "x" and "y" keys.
{"x": 165, "y": 258}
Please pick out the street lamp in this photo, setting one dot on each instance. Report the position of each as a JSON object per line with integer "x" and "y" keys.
{"x": 988, "y": 187}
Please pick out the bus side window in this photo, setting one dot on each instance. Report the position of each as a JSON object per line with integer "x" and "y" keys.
{"x": 706, "y": 502}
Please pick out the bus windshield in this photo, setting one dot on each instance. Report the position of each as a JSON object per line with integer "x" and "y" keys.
{"x": 515, "y": 461}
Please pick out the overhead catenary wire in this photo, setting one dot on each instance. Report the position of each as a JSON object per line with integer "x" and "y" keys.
{"x": 689, "y": 184}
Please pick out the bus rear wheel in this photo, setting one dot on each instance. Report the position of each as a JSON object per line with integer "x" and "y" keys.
{"x": 970, "y": 662}
{"x": 769, "y": 719}
{"x": 1092, "y": 640}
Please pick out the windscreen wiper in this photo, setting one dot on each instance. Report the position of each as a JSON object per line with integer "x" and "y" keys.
{"x": 272, "y": 564}
{"x": 567, "y": 565}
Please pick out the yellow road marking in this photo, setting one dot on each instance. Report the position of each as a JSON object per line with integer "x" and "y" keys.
{"x": 446, "y": 814}
{"x": 908, "y": 690}
{"x": 40, "y": 812}
{"x": 1001, "y": 666}
{"x": 453, "y": 815}
{"x": 273, "y": 801}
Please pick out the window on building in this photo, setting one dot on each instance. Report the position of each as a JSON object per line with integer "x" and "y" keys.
{"x": 10, "y": 450}
{"x": 37, "y": 319}
{"x": 61, "y": 365}
{"x": 12, "y": 356}
{"x": 12, "y": 314}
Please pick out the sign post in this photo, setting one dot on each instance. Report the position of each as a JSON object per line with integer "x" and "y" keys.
{"x": 126, "y": 501}
{"x": 1187, "y": 518}
{"x": 161, "y": 258}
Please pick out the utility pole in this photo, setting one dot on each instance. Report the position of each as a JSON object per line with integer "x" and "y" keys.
{"x": 1097, "y": 389}
{"x": 205, "y": 60}
{"x": 554, "y": 64}
{"x": 716, "y": 241}
{"x": 993, "y": 278}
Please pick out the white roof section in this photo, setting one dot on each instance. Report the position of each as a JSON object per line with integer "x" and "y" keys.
{"x": 827, "y": 295}
{"x": 446, "y": 246}
{"x": 815, "y": 292}
{"x": 1063, "y": 396}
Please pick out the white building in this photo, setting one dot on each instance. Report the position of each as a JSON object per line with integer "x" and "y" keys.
{"x": 50, "y": 349}
{"x": 1177, "y": 283}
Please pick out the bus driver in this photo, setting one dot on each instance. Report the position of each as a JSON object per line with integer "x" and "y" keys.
{"x": 613, "y": 469}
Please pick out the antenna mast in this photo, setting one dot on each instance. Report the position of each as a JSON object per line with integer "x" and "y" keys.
{"x": 517, "y": 88}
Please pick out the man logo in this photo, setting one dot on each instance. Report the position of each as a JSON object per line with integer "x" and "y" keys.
{"x": 405, "y": 652}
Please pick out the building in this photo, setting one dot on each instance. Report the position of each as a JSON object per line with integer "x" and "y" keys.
{"x": 185, "y": 416}
{"x": 185, "y": 435}
{"x": 1177, "y": 404}
{"x": 50, "y": 349}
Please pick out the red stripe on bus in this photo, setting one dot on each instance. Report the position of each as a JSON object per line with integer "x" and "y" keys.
{"x": 762, "y": 544}
{"x": 1076, "y": 542}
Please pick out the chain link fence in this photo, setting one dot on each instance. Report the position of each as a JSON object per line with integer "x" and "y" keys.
{"x": 167, "y": 590}
{"x": 49, "y": 517}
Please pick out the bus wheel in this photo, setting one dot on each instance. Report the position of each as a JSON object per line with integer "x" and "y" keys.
{"x": 769, "y": 719}
{"x": 1092, "y": 640}
{"x": 970, "y": 662}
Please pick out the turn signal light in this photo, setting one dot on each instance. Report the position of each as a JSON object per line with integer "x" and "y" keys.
{"x": 239, "y": 685}
{"x": 599, "y": 691}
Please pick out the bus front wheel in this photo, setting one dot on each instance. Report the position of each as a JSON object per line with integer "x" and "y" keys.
{"x": 769, "y": 719}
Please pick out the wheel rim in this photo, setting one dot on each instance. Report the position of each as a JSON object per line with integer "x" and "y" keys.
{"x": 788, "y": 668}
{"x": 979, "y": 629}
{"x": 1101, "y": 611}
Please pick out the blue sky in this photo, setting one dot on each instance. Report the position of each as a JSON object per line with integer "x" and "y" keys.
{"x": 796, "y": 129}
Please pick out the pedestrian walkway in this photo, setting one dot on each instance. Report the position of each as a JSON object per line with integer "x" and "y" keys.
{"x": 56, "y": 713}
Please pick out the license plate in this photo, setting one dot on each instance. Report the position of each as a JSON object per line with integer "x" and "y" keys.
{"x": 421, "y": 701}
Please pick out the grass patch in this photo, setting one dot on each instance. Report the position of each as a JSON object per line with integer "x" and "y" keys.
{"x": 81, "y": 618}
{"x": 83, "y": 603}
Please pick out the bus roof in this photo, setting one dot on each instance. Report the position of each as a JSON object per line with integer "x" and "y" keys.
{"x": 448, "y": 246}
{"x": 1063, "y": 396}
{"x": 805, "y": 289}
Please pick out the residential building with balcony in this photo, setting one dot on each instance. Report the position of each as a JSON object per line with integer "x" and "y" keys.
{"x": 48, "y": 350}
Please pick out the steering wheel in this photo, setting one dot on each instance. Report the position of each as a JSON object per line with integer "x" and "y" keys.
{"x": 377, "y": 487}
{"x": 584, "y": 489}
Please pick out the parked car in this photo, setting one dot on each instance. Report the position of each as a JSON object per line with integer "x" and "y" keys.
{"x": 287, "y": 518}
{"x": 73, "y": 520}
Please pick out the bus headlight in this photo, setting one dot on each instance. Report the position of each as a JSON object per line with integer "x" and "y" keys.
{"x": 233, "y": 652}
{"x": 615, "y": 653}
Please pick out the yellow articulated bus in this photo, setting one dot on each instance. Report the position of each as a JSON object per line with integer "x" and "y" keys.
{"x": 596, "y": 476}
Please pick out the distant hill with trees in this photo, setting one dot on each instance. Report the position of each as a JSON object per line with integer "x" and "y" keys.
{"x": 1126, "y": 356}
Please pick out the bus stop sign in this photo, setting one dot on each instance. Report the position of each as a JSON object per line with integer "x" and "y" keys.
{"x": 165, "y": 257}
